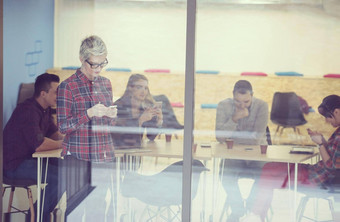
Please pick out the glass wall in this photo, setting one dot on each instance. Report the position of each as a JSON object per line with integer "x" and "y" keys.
{"x": 146, "y": 55}
{"x": 259, "y": 80}
{"x": 204, "y": 89}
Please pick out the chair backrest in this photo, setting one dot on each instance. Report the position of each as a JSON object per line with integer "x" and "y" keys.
{"x": 163, "y": 188}
{"x": 26, "y": 90}
{"x": 286, "y": 110}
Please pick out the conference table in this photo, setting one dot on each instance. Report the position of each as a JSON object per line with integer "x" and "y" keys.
{"x": 275, "y": 153}
{"x": 217, "y": 152}
{"x": 174, "y": 149}
{"x": 56, "y": 153}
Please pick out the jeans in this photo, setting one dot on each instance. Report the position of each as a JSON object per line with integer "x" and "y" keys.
{"x": 28, "y": 170}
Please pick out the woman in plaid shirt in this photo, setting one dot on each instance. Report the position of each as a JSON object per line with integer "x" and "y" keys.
{"x": 274, "y": 175}
{"x": 83, "y": 106}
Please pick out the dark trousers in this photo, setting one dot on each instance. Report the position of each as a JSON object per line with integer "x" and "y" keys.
{"x": 232, "y": 171}
{"x": 28, "y": 170}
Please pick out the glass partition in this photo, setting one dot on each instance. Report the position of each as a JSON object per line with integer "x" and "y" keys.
{"x": 259, "y": 80}
{"x": 146, "y": 64}
{"x": 254, "y": 72}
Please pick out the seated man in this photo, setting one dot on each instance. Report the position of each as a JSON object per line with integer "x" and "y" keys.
{"x": 244, "y": 119}
{"x": 30, "y": 129}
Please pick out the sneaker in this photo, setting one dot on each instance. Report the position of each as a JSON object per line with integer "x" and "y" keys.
{"x": 251, "y": 218}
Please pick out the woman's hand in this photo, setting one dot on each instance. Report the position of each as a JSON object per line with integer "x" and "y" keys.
{"x": 316, "y": 137}
{"x": 111, "y": 111}
{"x": 98, "y": 110}
{"x": 146, "y": 116}
{"x": 159, "y": 114}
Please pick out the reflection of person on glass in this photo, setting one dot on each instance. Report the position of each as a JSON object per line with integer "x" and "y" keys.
{"x": 136, "y": 110}
{"x": 83, "y": 106}
{"x": 274, "y": 175}
{"x": 243, "y": 119}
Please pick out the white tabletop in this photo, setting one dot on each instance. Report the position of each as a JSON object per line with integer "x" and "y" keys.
{"x": 161, "y": 148}
{"x": 275, "y": 153}
{"x": 48, "y": 153}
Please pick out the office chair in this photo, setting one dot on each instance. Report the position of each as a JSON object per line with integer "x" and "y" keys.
{"x": 326, "y": 192}
{"x": 161, "y": 190}
{"x": 286, "y": 112}
{"x": 18, "y": 183}
{"x": 26, "y": 90}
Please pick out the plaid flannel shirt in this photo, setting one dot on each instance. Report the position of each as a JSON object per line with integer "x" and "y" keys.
{"x": 320, "y": 172}
{"x": 86, "y": 139}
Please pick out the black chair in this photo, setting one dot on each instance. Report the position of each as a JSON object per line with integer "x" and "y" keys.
{"x": 286, "y": 112}
{"x": 161, "y": 190}
{"x": 18, "y": 183}
{"x": 327, "y": 191}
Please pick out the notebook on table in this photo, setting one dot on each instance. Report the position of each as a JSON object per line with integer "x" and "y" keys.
{"x": 303, "y": 149}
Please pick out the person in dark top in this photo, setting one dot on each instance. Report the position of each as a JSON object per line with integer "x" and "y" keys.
{"x": 31, "y": 128}
{"x": 136, "y": 111}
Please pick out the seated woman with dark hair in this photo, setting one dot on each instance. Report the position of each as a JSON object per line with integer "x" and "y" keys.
{"x": 136, "y": 111}
{"x": 274, "y": 175}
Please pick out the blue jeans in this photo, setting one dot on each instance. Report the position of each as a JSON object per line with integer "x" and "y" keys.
{"x": 28, "y": 170}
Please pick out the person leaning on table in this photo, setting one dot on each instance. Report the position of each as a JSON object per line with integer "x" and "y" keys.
{"x": 244, "y": 119}
{"x": 274, "y": 175}
{"x": 31, "y": 128}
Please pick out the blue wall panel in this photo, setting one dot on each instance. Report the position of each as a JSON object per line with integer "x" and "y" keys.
{"x": 28, "y": 45}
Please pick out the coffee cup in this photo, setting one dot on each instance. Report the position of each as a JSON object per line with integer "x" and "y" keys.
{"x": 263, "y": 148}
{"x": 168, "y": 138}
{"x": 230, "y": 143}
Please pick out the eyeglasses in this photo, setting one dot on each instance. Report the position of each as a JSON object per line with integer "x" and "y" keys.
{"x": 95, "y": 66}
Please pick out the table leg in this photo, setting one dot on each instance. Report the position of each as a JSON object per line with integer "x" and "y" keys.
{"x": 295, "y": 189}
{"x": 215, "y": 162}
{"x": 38, "y": 187}
{"x": 202, "y": 216}
{"x": 118, "y": 184}
{"x": 45, "y": 182}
